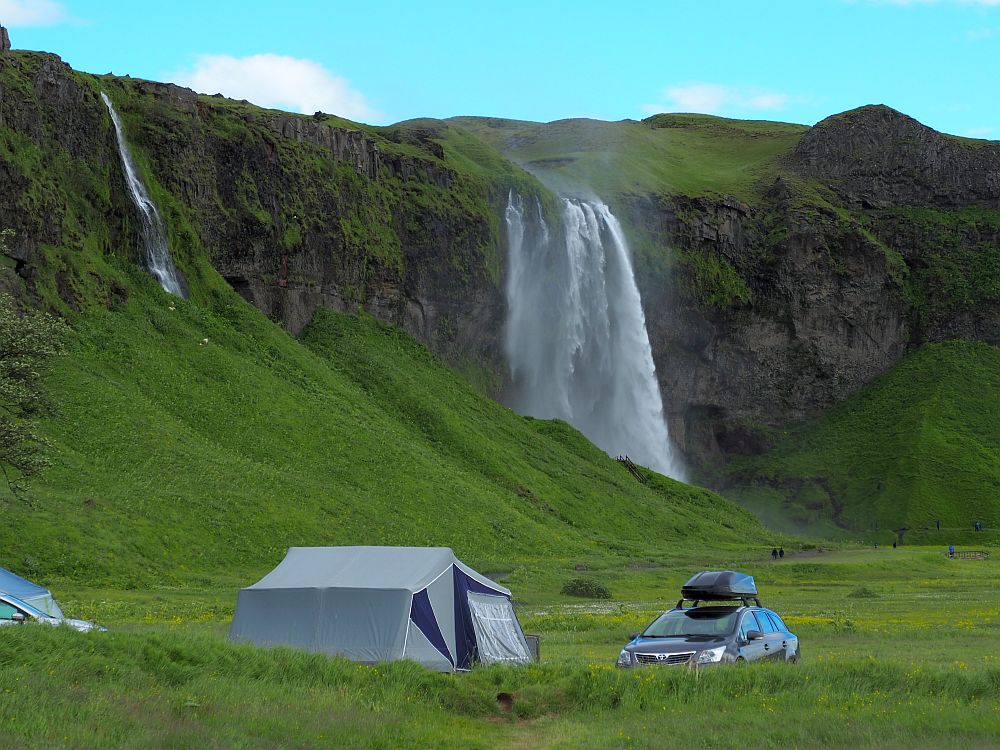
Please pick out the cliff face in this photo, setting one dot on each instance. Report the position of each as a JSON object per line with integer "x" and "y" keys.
{"x": 823, "y": 315}
{"x": 869, "y": 234}
{"x": 881, "y": 234}
{"x": 294, "y": 212}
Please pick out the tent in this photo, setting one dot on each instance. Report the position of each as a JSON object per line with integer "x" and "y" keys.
{"x": 376, "y": 604}
{"x": 29, "y": 593}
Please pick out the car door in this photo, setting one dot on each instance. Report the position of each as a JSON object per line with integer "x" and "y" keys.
{"x": 751, "y": 650}
{"x": 774, "y": 639}
{"x": 789, "y": 643}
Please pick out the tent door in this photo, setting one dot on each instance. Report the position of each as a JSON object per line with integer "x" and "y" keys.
{"x": 498, "y": 633}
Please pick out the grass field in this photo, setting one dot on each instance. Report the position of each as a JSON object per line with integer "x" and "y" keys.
{"x": 899, "y": 650}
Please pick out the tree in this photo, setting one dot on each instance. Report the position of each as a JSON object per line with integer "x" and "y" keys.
{"x": 28, "y": 341}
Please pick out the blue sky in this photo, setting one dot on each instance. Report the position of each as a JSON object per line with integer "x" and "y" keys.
{"x": 382, "y": 61}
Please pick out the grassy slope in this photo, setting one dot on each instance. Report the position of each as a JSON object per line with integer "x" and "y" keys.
{"x": 688, "y": 154}
{"x": 921, "y": 444}
{"x": 212, "y": 459}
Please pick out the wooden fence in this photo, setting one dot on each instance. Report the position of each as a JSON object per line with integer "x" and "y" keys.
{"x": 632, "y": 468}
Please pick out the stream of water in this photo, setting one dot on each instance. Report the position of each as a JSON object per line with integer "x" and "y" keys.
{"x": 576, "y": 339}
{"x": 154, "y": 233}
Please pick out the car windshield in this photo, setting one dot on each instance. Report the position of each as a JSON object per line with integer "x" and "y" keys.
{"x": 692, "y": 622}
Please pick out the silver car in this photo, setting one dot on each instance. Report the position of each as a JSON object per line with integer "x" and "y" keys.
{"x": 700, "y": 636}
{"x": 13, "y": 611}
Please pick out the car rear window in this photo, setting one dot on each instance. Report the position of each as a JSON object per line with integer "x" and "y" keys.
{"x": 766, "y": 626}
{"x": 776, "y": 621}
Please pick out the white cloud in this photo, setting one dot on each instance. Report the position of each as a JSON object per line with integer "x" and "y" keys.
{"x": 14, "y": 13}
{"x": 278, "y": 81}
{"x": 714, "y": 98}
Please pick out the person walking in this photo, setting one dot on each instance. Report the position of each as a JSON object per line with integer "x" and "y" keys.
{"x": 781, "y": 552}
{"x": 774, "y": 553}
{"x": 951, "y": 550}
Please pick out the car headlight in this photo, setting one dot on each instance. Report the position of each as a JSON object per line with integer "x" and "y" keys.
{"x": 624, "y": 659}
{"x": 711, "y": 655}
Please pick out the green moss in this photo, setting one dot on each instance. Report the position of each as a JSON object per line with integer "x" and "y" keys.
{"x": 712, "y": 280}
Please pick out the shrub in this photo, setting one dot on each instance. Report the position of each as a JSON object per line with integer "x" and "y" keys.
{"x": 587, "y": 588}
{"x": 863, "y": 592}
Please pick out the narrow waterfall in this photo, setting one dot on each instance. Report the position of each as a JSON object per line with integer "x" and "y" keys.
{"x": 154, "y": 233}
{"x": 576, "y": 339}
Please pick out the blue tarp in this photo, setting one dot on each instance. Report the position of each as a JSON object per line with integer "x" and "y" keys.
{"x": 28, "y": 592}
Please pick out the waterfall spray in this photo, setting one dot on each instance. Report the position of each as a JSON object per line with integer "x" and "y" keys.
{"x": 576, "y": 338}
{"x": 154, "y": 233}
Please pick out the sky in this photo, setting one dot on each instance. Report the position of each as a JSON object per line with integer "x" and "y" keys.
{"x": 382, "y": 61}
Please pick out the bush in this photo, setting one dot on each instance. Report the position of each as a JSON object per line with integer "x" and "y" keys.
{"x": 863, "y": 592}
{"x": 587, "y": 588}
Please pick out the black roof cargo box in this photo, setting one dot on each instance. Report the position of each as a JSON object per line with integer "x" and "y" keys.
{"x": 719, "y": 584}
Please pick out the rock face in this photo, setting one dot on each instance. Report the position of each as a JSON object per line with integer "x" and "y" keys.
{"x": 294, "y": 212}
{"x": 823, "y": 318}
{"x": 876, "y": 157}
{"x": 832, "y": 292}
{"x": 878, "y": 234}
{"x": 4, "y": 40}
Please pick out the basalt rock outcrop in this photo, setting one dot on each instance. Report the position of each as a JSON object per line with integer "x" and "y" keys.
{"x": 822, "y": 316}
{"x": 876, "y": 157}
{"x": 882, "y": 235}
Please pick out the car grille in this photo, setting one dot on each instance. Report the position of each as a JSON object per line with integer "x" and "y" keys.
{"x": 681, "y": 658}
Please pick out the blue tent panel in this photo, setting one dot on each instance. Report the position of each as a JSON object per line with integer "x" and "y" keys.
{"x": 423, "y": 617}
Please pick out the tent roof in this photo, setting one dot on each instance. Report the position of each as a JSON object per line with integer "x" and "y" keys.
{"x": 410, "y": 568}
{"x": 13, "y": 584}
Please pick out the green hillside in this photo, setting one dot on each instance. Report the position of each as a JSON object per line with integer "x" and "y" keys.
{"x": 921, "y": 444}
{"x": 666, "y": 154}
{"x": 177, "y": 458}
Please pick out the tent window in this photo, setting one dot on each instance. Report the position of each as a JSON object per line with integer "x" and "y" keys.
{"x": 498, "y": 634}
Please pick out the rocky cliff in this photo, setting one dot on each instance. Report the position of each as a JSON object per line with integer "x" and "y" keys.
{"x": 848, "y": 244}
{"x": 294, "y": 212}
{"x": 815, "y": 313}
{"x": 873, "y": 235}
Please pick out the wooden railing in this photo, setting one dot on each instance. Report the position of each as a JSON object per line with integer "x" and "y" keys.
{"x": 632, "y": 468}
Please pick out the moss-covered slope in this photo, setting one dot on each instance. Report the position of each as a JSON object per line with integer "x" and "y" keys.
{"x": 918, "y": 447}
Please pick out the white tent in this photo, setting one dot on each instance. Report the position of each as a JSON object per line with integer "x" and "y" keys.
{"x": 376, "y": 604}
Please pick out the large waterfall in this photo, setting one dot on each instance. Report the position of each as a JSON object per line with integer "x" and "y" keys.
{"x": 154, "y": 233}
{"x": 576, "y": 338}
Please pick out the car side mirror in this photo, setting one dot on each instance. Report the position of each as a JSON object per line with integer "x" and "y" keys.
{"x": 18, "y": 617}
{"x": 754, "y": 635}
